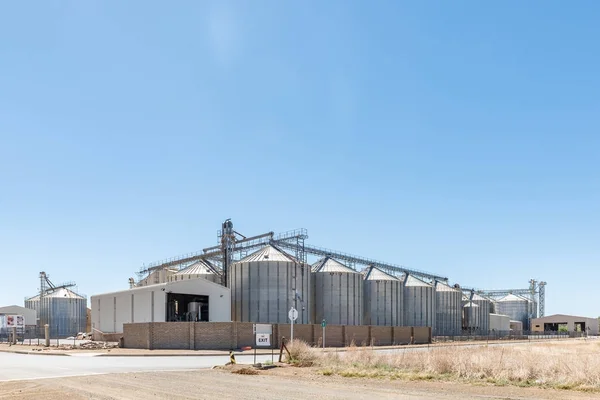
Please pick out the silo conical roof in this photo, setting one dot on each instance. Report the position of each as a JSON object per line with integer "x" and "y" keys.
{"x": 268, "y": 253}
{"x": 58, "y": 293}
{"x": 375, "y": 274}
{"x": 412, "y": 281}
{"x": 201, "y": 267}
{"x": 512, "y": 297}
{"x": 478, "y": 297}
{"x": 443, "y": 287}
{"x": 328, "y": 264}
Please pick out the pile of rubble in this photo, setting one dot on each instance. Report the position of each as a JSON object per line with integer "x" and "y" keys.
{"x": 89, "y": 346}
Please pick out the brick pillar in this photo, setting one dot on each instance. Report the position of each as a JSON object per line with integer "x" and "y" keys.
{"x": 344, "y": 336}
{"x": 150, "y": 336}
{"x": 192, "y": 336}
{"x": 234, "y": 336}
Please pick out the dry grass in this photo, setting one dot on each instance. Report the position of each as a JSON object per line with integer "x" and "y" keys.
{"x": 563, "y": 365}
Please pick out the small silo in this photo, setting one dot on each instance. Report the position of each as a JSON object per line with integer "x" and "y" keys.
{"x": 200, "y": 269}
{"x": 471, "y": 318}
{"x": 448, "y": 310}
{"x": 337, "y": 293}
{"x": 62, "y": 309}
{"x": 516, "y": 307}
{"x": 266, "y": 284}
{"x": 419, "y": 303}
{"x": 383, "y": 298}
{"x": 484, "y": 312}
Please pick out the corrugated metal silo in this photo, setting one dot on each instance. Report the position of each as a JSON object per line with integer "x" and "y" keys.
{"x": 471, "y": 318}
{"x": 448, "y": 310}
{"x": 62, "y": 309}
{"x": 266, "y": 284}
{"x": 337, "y": 293}
{"x": 200, "y": 269}
{"x": 383, "y": 298}
{"x": 419, "y": 303}
{"x": 484, "y": 313}
{"x": 516, "y": 307}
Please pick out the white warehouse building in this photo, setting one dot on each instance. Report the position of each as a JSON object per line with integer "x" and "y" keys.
{"x": 189, "y": 300}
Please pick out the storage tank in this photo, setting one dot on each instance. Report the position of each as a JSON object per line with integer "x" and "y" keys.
{"x": 448, "y": 310}
{"x": 337, "y": 293}
{"x": 62, "y": 309}
{"x": 516, "y": 307}
{"x": 484, "y": 313}
{"x": 200, "y": 269}
{"x": 419, "y": 302}
{"x": 471, "y": 318}
{"x": 266, "y": 284}
{"x": 499, "y": 324}
{"x": 383, "y": 294}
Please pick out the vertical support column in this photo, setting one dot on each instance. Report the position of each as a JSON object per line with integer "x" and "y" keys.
{"x": 47, "y": 335}
{"x": 192, "y": 335}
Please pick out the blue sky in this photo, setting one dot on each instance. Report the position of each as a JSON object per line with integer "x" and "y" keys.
{"x": 457, "y": 138}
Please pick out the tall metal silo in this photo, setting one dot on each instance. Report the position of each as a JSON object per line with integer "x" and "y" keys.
{"x": 62, "y": 309}
{"x": 419, "y": 303}
{"x": 484, "y": 312}
{"x": 200, "y": 269}
{"x": 448, "y": 310}
{"x": 266, "y": 284}
{"x": 516, "y": 307}
{"x": 383, "y": 298}
{"x": 337, "y": 293}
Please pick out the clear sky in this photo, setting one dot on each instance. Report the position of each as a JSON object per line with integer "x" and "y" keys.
{"x": 459, "y": 138}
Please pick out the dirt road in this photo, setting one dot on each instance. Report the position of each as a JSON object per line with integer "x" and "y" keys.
{"x": 288, "y": 383}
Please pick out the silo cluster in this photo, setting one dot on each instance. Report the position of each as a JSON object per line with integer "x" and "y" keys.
{"x": 267, "y": 283}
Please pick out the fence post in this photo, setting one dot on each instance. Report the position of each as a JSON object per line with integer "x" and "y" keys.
{"x": 47, "y": 335}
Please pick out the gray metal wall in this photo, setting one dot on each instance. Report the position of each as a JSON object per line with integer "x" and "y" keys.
{"x": 262, "y": 291}
{"x": 471, "y": 318}
{"x": 65, "y": 316}
{"x": 448, "y": 310}
{"x": 419, "y": 306}
{"x": 383, "y": 302}
{"x": 517, "y": 311}
{"x": 338, "y": 297}
{"x": 484, "y": 315}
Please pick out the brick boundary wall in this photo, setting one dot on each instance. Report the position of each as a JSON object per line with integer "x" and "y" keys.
{"x": 234, "y": 335}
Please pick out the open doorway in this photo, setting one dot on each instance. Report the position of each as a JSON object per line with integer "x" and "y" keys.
{"x": 187, "y": 307}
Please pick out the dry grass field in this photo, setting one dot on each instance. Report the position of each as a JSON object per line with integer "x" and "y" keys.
{"x": 571, "y": 365}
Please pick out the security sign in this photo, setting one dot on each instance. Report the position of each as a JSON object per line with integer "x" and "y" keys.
{"x": 263, "y": 339}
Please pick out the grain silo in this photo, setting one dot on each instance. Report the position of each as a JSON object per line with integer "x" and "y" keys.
{"x": 383, "y": 298}
{"x": 471, "y": 318}
{"x": 484, "y": 312}
{"x": 516, "y": 307}
{"x": 62, "y": 309}
{"x": 157, "y": 276}
{"x": 266, "y": 284}
{"x": 448, "y": 310}
{"x": 200, "y": 269}
{"x": 419, "y": 303}
{"x": 337, "y": 293}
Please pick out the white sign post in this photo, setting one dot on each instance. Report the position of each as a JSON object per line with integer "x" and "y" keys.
{"x": 293, "y": 315}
